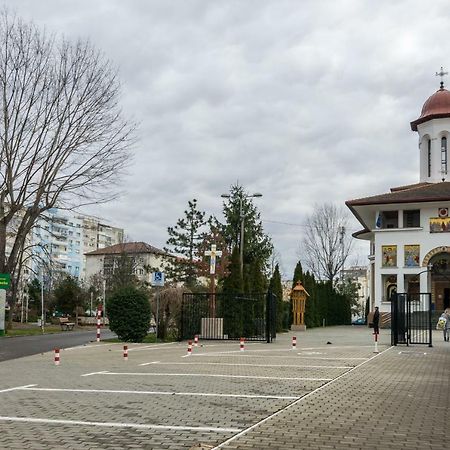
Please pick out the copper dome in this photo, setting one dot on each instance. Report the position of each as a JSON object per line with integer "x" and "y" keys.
{"x": 436, "y": 107}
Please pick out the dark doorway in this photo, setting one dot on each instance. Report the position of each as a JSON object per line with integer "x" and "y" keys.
{"x": 446, "y": 298}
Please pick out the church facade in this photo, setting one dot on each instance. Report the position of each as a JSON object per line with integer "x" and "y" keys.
{"x": 409, "y": 227}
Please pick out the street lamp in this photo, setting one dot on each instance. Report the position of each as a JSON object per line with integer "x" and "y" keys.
{"x": 241, "y": 217}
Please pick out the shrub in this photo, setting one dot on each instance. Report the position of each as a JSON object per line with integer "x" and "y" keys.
{"x": 128, "y": 311}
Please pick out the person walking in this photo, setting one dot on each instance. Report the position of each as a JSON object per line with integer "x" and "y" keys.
{"x": 444, "y": 324}
{"x": 447, "y": 325}
{"x": 376, "y": 321}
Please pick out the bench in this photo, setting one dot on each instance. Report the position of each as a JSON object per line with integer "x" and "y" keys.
{"x": 65, "y": 324}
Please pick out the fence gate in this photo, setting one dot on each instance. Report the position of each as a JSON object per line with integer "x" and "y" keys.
{"x": 225, "y": 316}
{"x": 411, "y": 321}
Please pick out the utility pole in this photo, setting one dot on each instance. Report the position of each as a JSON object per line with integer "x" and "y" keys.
{"x": 341, "y": 241}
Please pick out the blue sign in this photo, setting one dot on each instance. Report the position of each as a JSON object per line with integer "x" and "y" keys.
{"x": 158, "y": 279}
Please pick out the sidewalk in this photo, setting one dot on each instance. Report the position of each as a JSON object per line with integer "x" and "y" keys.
{"x": 398, "y": 400}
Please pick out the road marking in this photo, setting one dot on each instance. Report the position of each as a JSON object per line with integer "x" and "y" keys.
{"x": 146, "y": 374}
{"x": 193, "y": 394}
{"x": 118, "y": 424}
{"x": 93, "y": 373}
{"x": 296, "y": 366}
{"x": 278, "y": 356}
{"x": 17, "y": 388}
{"x": 295, "y": 402}
{"x": 152, "y": 347}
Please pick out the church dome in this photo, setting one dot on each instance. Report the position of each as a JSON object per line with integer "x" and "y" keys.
{"x": 436, "y": 107}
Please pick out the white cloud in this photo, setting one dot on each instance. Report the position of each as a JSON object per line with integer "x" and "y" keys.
{"x": 303, "y": 101}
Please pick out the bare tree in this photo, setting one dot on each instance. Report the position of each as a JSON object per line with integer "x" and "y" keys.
{"x": 63, "y": 141}
{"x": 326, "y": 245}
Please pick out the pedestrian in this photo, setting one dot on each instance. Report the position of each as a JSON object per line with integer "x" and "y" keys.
{"x": 376, "y": 321}
{"x": 444, "y": 324}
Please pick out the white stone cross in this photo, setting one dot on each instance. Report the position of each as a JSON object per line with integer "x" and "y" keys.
{"x": 212, "y": 254}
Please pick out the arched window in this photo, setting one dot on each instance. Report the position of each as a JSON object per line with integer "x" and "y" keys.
{"x": 444, "y": 156}
{"x": 429, "y": 157}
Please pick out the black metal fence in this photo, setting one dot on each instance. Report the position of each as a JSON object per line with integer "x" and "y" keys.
{"x": 225, "y": 316}
{"x": 411, "y": 319}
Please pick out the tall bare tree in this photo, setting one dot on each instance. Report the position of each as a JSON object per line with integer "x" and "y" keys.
{"x": 326, "y": 245}
{"x": 63, "y": 140}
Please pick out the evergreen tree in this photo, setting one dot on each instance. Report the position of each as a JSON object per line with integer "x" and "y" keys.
{"x": 231, "y": 307}
{"x": 276, "y": 288}
{"x": 257, "y": 246}
{"x": 298, "y": 274}
{"x": 185, "y": 238}
{"x": 68, "y": 295}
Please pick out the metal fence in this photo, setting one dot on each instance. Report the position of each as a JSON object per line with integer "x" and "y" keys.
{"x": 411, "y": 319}
{"x": 225, "y": 316}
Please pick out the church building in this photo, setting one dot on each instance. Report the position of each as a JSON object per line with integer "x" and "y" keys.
{"x": 409, "y": 227}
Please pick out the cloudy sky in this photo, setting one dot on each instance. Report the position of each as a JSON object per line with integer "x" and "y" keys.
{"x": 303, "y": 101}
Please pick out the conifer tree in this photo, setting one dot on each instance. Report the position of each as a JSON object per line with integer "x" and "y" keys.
{"x": 185, "y": 238}
{"x": 257, "y": 246}
{"x": 276, "y": 288}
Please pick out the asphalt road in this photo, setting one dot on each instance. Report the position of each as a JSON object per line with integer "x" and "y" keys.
{"x": 17, "y": 347}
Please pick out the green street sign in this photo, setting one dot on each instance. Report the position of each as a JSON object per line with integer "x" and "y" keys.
{"x": 5, "y": 280}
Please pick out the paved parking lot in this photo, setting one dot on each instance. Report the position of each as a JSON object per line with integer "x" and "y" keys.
{"x": 332, "y": 391}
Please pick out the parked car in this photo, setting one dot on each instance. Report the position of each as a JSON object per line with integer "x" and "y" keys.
{"x": 359, "y": 321}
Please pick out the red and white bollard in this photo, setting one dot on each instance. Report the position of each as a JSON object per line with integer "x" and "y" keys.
{"x": 189, "y": 352}
{"x": 98, "y": 325}
{"x": 294, "y": 342}
{"x": 196, "y": 340}
{"x": 125, "y": 352}
{"x": 56, "y": 356}
{"x": 375, "y": 335}
{"x": 242, "y": 345}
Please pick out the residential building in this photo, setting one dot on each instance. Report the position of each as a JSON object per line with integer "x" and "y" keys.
{"x": 145, "y": 260}
{"x": 360, "y": 276}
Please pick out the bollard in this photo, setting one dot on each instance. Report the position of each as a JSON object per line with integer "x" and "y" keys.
{"x": 125, "y": 352}
{"x": 294, "y": 342}
{"x": 242, "y": 346}
{"x": 189, "y": 351}
{"x": 196, "y": 340}
{"x": 98, "y": 326}
{"x": 56, "y": 356}
{"x": 375, "y": 335}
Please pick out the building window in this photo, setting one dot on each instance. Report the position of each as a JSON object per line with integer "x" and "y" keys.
{"x": 444, "y": 155}
{"x": 389, "y": 219}
{"x": 411, "y": 218}
{"x": 429, "y": 157}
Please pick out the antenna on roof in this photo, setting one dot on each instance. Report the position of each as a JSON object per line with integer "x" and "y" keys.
{"x": 441, "y": 74}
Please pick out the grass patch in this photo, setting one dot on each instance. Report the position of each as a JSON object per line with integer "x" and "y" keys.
{"x": 50, "y": 329}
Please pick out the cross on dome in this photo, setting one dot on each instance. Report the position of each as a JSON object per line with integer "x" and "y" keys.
{"x": 441, "y": 74}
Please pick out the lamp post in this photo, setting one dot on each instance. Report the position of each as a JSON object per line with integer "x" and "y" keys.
{"x": 241, "y": 218}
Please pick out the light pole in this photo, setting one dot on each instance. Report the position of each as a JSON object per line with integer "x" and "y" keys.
{"x": 241, "y": 218}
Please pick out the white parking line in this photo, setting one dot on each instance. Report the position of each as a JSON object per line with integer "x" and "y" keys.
{"x": 118, "y": 424}
{"x": 240, "y": 354}
{"x": 92, "y": 373}
{"x": 147, "y": 374}
{"x": 17, "y": 388}
{"x": 192, "y": 394}
{"x": 295, "y": 366}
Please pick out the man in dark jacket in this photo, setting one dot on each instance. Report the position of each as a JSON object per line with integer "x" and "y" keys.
{"x": 376, "y": 321}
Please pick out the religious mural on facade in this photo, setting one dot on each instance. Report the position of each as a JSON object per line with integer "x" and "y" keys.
{"x": 412, "y": 255}
{"x": 439, "y": 224}
{"x": 389, "y": 258}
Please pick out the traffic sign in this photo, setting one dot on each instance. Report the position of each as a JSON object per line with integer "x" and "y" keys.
{"x": 5, "y": 280}
{"x": 158, "y": 279}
